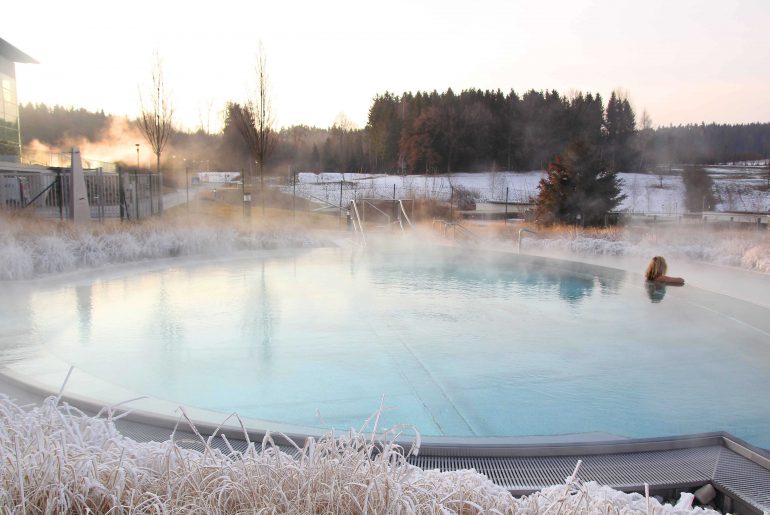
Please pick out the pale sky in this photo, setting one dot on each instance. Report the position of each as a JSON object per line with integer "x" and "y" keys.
{"x": 682, "y": 60}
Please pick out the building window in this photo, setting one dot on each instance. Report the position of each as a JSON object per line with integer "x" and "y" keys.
{"x": 10, "y": 149}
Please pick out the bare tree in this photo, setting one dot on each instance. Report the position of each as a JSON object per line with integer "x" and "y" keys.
{"x": 261, "y": 105}
{"x": 204, "y": 116}
{"x": 242, "y": 117}
{"x": 254, "y": 120}
{"x": 644, "y": 139}
{"x": 155, "y": 117}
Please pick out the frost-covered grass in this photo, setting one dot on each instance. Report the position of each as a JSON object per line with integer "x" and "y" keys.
{"x": 58, "y": 460}
{"x": 30, "y": 248}
{"x": 743, "y": 248}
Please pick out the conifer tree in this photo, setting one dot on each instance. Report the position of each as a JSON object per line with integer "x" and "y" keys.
{"x": 579, "y": 188}
{"x": 698, "y": 190}
{"x": 620, "y": 125}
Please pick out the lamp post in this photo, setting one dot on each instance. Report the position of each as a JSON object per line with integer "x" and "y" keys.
{"x": 137, "y": 156}
{"x": 261, "y": 187}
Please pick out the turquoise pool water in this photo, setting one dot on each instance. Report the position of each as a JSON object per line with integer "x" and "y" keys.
{"x": 456, "y": 342}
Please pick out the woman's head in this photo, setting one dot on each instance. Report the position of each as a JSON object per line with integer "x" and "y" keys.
{"x": 656, "y": 268}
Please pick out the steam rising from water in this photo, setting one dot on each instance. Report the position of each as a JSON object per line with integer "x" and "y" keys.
{"x": 29, "y": 250}
{"x": 116, "y": 143}
{"x": 750, "y": 251}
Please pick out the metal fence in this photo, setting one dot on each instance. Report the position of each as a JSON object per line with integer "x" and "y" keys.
{"x": 56, "y": 159}
{"x": 142, "y": 194}
{"x": 123, "y": 195}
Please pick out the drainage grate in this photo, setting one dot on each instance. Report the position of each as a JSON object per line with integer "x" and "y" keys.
{"x": 743, "y": 479}
{"x": 522, "y": 475}
{"x": 737, "y": 476}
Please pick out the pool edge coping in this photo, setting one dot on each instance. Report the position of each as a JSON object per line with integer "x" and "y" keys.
{"x": 429, "y": 446}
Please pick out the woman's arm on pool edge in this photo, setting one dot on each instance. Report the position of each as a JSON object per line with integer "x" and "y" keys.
{"x": 674, "y": 281}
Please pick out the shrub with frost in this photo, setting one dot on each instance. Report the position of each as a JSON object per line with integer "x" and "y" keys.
{"x": 33, "y": 248}
{"x": 15, "y": 261}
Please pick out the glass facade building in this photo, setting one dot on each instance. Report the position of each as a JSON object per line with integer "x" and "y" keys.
{"x": 10, "y": 133}
{"x": 10, "y": 142}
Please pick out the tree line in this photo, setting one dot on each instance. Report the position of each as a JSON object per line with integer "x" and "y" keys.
{"x": 54, "y": 124}
{"x": 482, "y": 130}
{"x": 487, "y": 130}
{"x": 445, "y": 132}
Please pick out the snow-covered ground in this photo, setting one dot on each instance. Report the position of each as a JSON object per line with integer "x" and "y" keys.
{"x": 736, "y": 188}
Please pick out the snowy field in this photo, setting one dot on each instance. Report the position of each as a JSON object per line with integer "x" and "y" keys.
{"x": 736, "y": 188}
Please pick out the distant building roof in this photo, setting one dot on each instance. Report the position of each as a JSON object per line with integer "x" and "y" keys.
{"x": 12, "y": 53}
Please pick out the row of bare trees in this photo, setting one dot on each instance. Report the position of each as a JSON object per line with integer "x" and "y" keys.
{"x": 156, "y": 114}
{"x": 253, "y": 119}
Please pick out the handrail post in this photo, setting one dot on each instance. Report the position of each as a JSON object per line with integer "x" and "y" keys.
{"x": 403, "y": 212}
{"x": 524, "y": 229}
{"x": 506, "y": 206}
{"x": 360, "y": 226}
{"x": 59, "y": 195}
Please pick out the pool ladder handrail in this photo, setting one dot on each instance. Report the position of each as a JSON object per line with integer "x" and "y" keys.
{"x": 402, "y": 214}
{"x": 464, "y": 231}
{"x": 522, "y": 230}
{"x": 399, "y": 217}
{"x": 358, "y": 227}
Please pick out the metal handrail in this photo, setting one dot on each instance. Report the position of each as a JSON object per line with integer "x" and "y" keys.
{"x": 524, "y": 229}
{"x": 454, "y": 225}
{"x": 378, "y": 210}
{"x": 446, "y": 224}
{"x": 328, "y": 205}
{"x": 56, "y": 182}
{"x": 360, "y": 227}
{"x": 403, "y": 212}
{"x": 464, "y": 230}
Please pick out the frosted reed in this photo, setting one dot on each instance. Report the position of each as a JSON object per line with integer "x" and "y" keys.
{"x": 33, "y": 248}
{"x": 59, "y": 460}
{"x": 748, "y": 249}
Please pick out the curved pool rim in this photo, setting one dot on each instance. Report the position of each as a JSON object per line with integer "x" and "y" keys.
{"x": 45, "y": 378}
{"x": 39, "y": 378}
{"x": 160, "y": 418}
{"x": 658, "y": 465}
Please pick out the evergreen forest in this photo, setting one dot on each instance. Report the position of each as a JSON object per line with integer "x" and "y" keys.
{"x": 447, "y": 132}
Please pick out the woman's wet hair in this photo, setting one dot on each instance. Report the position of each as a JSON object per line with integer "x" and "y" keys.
{"x": 656, "y": 268}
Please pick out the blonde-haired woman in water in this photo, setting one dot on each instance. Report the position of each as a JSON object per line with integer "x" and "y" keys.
{"x": 656, "y": 271}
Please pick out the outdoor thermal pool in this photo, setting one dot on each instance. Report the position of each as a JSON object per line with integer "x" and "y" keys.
{"x": 457, "y": 342}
